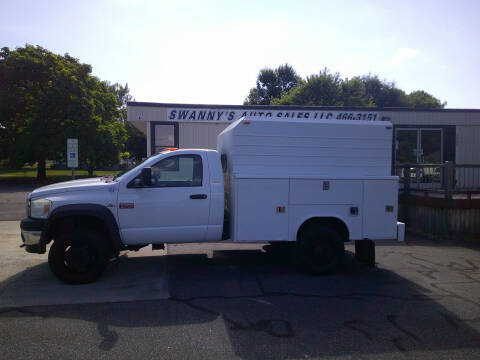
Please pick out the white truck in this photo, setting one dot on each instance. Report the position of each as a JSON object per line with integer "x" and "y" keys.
{"x": 313, "y": 185}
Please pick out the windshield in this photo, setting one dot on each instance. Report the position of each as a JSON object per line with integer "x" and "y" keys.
{"x": 125, "y": 173}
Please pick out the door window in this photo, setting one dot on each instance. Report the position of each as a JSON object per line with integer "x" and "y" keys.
{"x": 431, "y": 141}
{"x": 406, "y": 146}
{"x": 178, "y": 171}
{"x": 418, "y": 146}
{"x": 164, "y": 137}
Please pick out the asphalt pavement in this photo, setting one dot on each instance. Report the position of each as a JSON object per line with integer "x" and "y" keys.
{"x": 12, "y": 201}
{"x": 222, "y": 301}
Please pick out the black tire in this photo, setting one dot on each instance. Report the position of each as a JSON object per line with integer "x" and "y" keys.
{"x": 320, "y": 250}
{"x": 79, "y": 257}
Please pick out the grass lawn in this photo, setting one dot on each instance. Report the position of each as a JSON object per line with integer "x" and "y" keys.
{"x": 29, "y": 175}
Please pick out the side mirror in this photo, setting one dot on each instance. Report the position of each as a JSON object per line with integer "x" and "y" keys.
{"x": 147, "y": 176}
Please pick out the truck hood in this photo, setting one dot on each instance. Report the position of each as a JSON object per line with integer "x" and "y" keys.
{"x": 66, "y": 186}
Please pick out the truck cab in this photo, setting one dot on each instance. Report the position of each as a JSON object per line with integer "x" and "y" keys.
{"x": 181, "y": 200}
{"x": 175, "y": 196}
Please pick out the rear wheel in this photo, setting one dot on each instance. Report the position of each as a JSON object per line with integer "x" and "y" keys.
{"x": 320, "y": 249}
{"x": 78, "y": 257}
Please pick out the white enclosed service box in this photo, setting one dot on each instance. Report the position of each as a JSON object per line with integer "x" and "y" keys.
{"x": 281, "y": 173}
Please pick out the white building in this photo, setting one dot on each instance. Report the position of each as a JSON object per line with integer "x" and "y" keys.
{"x": 421, "y": 135}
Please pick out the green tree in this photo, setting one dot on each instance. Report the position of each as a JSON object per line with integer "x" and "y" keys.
{"x": 95, "y": 119}
{"x": 44, "y": 84}
{"x": 271, "y": 84}
{"x": 46, "y": 98}
{"x": 136, "y": 143}
{"x": 383, "y": 93}
{"x": 13, "y": 105}
{"x": 422, "y": 99}
{"x": 354, "y": 93}
{"x": 324, "y": 88}
{"x": 122, "y": 93}
{"x": 329, "y": 89}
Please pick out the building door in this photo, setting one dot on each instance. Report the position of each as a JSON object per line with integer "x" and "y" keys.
{"x": 164, "y": 135}
{"x": 420, "y": 146}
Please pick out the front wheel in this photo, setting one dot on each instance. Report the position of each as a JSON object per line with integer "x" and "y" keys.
{"x": 320, "y": 249}
{"x": 78, "y": 257}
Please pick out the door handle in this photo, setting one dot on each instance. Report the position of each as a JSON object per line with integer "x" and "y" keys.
{"x": 198, "y": 196}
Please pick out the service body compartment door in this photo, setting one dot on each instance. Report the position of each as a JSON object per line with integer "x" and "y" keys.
{"x": 262, "y": 210}
{"x": 380, "y": 207}
{"x": 328, "y": 191}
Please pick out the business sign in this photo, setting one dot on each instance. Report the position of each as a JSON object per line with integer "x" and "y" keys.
{"x": 229, "y": 115}
{"x": 72, "y": 153}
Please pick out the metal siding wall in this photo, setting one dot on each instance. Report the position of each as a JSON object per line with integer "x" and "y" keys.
{"x": 203, "y": 135}
{"x": 155, "y": 113}
{"x": 467, "y": 152}
{"x": 199, "y": 135}
{"x": 145, "y": 113}
{"x": 432, "y": 118}
{"x": 468, "y": 145}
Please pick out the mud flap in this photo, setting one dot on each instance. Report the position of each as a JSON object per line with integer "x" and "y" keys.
{"x": 365, "y": 252}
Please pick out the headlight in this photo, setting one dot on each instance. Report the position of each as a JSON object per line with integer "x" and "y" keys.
{"x": 40, "y": 208}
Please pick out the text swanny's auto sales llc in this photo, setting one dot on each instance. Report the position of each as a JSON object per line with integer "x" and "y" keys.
{"x": 232, "y": 115}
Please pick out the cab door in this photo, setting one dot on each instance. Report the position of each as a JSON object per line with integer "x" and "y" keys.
{"x": 175, "y": 208}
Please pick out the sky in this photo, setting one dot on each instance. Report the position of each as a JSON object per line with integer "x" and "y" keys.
{"x": 210, "y": 52}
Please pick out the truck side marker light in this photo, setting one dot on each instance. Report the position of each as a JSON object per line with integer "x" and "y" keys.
{"x": 46, "y": 209}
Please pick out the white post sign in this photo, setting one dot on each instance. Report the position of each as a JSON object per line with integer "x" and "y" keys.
{"x": 72, "y": 155}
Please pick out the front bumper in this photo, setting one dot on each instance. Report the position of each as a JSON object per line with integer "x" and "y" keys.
{"x": 31, "y": 230}
{"x": 31, "y": 237}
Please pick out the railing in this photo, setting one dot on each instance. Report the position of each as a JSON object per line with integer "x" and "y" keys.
{"x": 446, "y": 179}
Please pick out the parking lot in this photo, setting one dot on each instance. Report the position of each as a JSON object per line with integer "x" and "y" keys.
{"x": 227, "y": 301}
